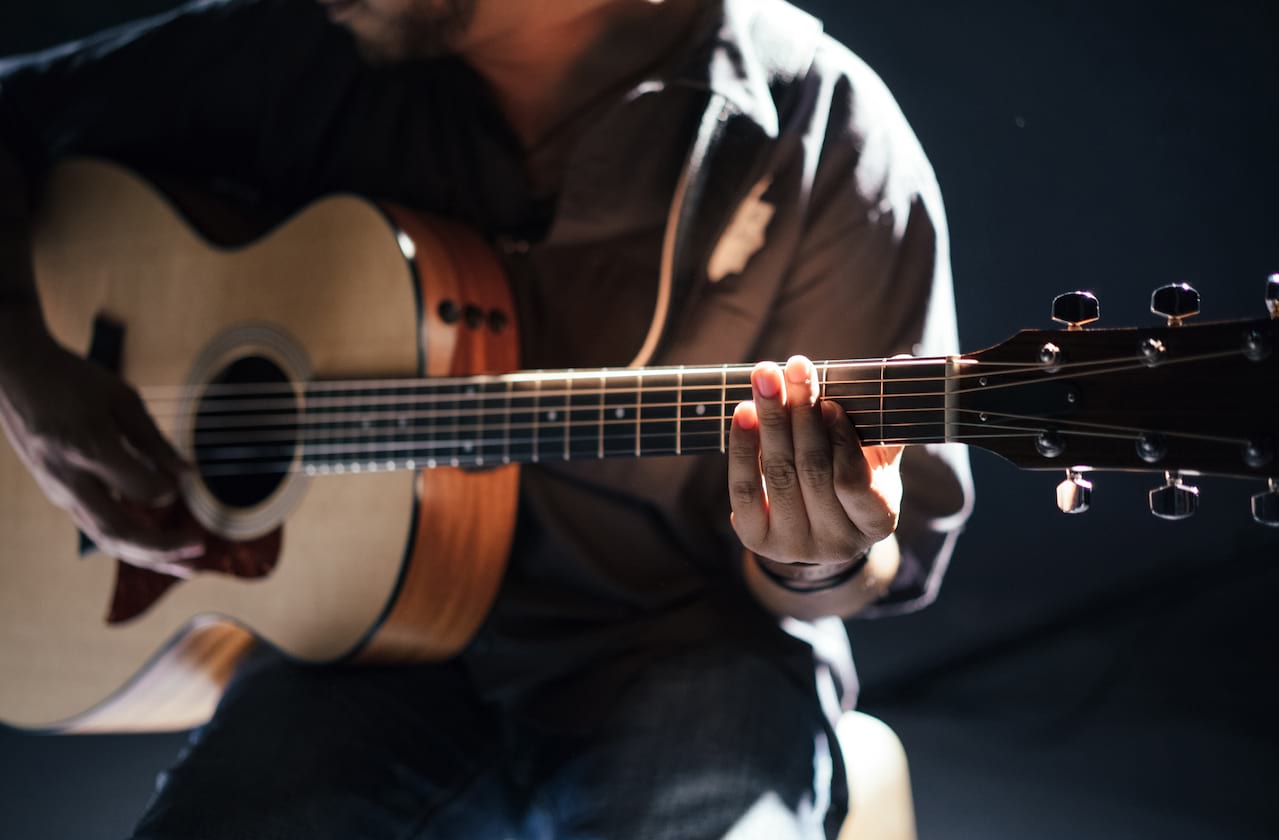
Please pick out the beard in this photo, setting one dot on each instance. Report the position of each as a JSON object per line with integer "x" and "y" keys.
{"x": 423, "y": 29}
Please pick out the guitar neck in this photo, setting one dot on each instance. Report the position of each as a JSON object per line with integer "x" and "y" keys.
{"x": 565, "y": 415}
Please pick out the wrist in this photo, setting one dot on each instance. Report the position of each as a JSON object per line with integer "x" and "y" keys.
{"x": 811, "y": 577}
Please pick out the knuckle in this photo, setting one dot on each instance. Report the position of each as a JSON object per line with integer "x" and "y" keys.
{"x": 778, "y": 474}
{"x": 879, "y": 526}
{"x": 815, "y": 469}
{"x": 774, "y": 419}
{"x": 743, "y": 492}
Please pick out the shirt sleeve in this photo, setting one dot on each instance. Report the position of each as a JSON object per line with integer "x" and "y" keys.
{"x": 215, "y": 89}
{"x": 871, "y": 278}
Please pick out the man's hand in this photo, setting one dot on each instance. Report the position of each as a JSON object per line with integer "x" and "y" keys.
{"x": 807, "y": 498}
{"x": 89, "y": 442}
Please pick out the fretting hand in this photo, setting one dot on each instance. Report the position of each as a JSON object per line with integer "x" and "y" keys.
{"x": 808, "y": 499}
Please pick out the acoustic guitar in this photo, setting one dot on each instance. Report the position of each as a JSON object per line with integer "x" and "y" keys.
{"x": 337, "y": 381}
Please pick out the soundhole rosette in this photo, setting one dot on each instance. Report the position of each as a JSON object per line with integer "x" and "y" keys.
{"x": 239, "y": 425}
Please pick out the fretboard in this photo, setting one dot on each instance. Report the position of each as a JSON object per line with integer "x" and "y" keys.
{"x": 539, "y": 416}
{"x": 546, "y": 416}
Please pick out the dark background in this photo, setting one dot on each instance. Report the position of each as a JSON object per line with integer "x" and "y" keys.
{"x": 1109, "y": 675}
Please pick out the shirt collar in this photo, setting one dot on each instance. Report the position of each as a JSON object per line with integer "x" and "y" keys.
{"x": 726, "y": 62}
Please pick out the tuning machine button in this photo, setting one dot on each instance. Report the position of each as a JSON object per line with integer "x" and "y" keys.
{"x": 1075, "y": 309}
{"x": 1174, "y": 500}
{"x": 1272, "y": 295}
{"x": 1074, "y": 494}
{"x": 1176, "y": 302}
{"x": 1265, "y": 505}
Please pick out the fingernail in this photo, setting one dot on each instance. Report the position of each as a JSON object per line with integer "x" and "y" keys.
{"x": 797, "y": 370}
{"x": 744, "y": 415}
{"x": 765, "y": 384}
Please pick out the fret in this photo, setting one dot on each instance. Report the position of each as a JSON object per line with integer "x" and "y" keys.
{"x": 448, "y": 447}
{"x": 492, "y": 433}
{"x": 723, "y": 408}
{"x": 620, "y": 412}
{"x": 855, "y": 388}
{"x": 601, "y": 420}
{"x": 536, "y": 431}
{"x": 679, "y": 409}
{"x": 914, "y": 399}
{"x": 421, "y": 428}
{"x": 506, "y": 423}
{"x": 523, "y": 420}
{"x": 568, "y": 413}
{"x": 582, "y": 419}
{"x": 699, "y": 413}
{"x": 661, "y": 413}
{"x": 351, "y": 446}
{"x": 397, "y": 428}
{"x": 893, "y": 399}
{"x": 882, "y": 376}
{"x": 552, "y": 407}
{"x": 639, "y": 409}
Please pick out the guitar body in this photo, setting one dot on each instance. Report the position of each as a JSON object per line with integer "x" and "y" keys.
{"x": 379, "y": 565}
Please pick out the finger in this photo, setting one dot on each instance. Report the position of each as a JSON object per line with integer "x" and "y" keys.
{"x": 868, "y": 510}
{"x": 141, "y": 432}
{"x": 117, "y": 533}
{"x": 813, "y": 459}
{"x": 787, "y": 517}
{"x": 121, "y": 469}
{"x": 745, "y": 489}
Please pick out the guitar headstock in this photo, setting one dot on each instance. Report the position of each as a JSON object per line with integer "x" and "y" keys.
{"x": 1178, "y": 400}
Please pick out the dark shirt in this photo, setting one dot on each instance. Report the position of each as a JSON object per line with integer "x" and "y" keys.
{"x": 618, "y": 559}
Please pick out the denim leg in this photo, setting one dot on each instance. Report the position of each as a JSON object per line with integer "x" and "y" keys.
{"x": 707, "y": 744}
{"x": 297, "y": 751}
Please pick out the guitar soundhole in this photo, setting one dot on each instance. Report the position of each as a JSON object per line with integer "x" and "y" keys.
{"x": 246, "y": 432}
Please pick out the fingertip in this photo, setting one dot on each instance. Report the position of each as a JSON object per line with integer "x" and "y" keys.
{"x": 767, "y": 379}
{"x": 745, "y": 417}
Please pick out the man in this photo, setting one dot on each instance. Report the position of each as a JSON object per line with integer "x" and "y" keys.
{"x": 726, "y": 157}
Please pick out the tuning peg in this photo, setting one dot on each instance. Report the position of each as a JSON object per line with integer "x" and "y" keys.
{"x": 1074, "y": 494}
{"x": 1265, "y": 505}
{"x": 1176, "y": 302}
{"x": 1076, "y": 309}
{"x": 1174, "y": 500}
{"x": 1272, "y": 295}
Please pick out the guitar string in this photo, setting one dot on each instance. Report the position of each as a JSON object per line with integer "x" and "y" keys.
{"x": 169, "y": 393}
{"x": 561, "y": 418}
{"x": 152, "y": 394}
{"x": 374, "y": 465}
{"x": 352, "y": 403}
{"x": 310, "y": 421}
{"x": 556, "y": 425}
{"x": 350, "y": 444}
{"x": 357, "y": 414}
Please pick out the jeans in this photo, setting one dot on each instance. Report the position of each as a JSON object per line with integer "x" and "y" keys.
{"x": 703, "y": 743}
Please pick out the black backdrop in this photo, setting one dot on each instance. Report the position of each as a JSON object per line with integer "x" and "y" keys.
{"x": 1109, "y": 675}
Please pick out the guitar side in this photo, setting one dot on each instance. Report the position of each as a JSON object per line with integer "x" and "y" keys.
{"x": 357, "y": 572}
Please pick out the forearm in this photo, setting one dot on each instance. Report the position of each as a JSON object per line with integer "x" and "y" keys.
{"x": 845, "y": 600}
